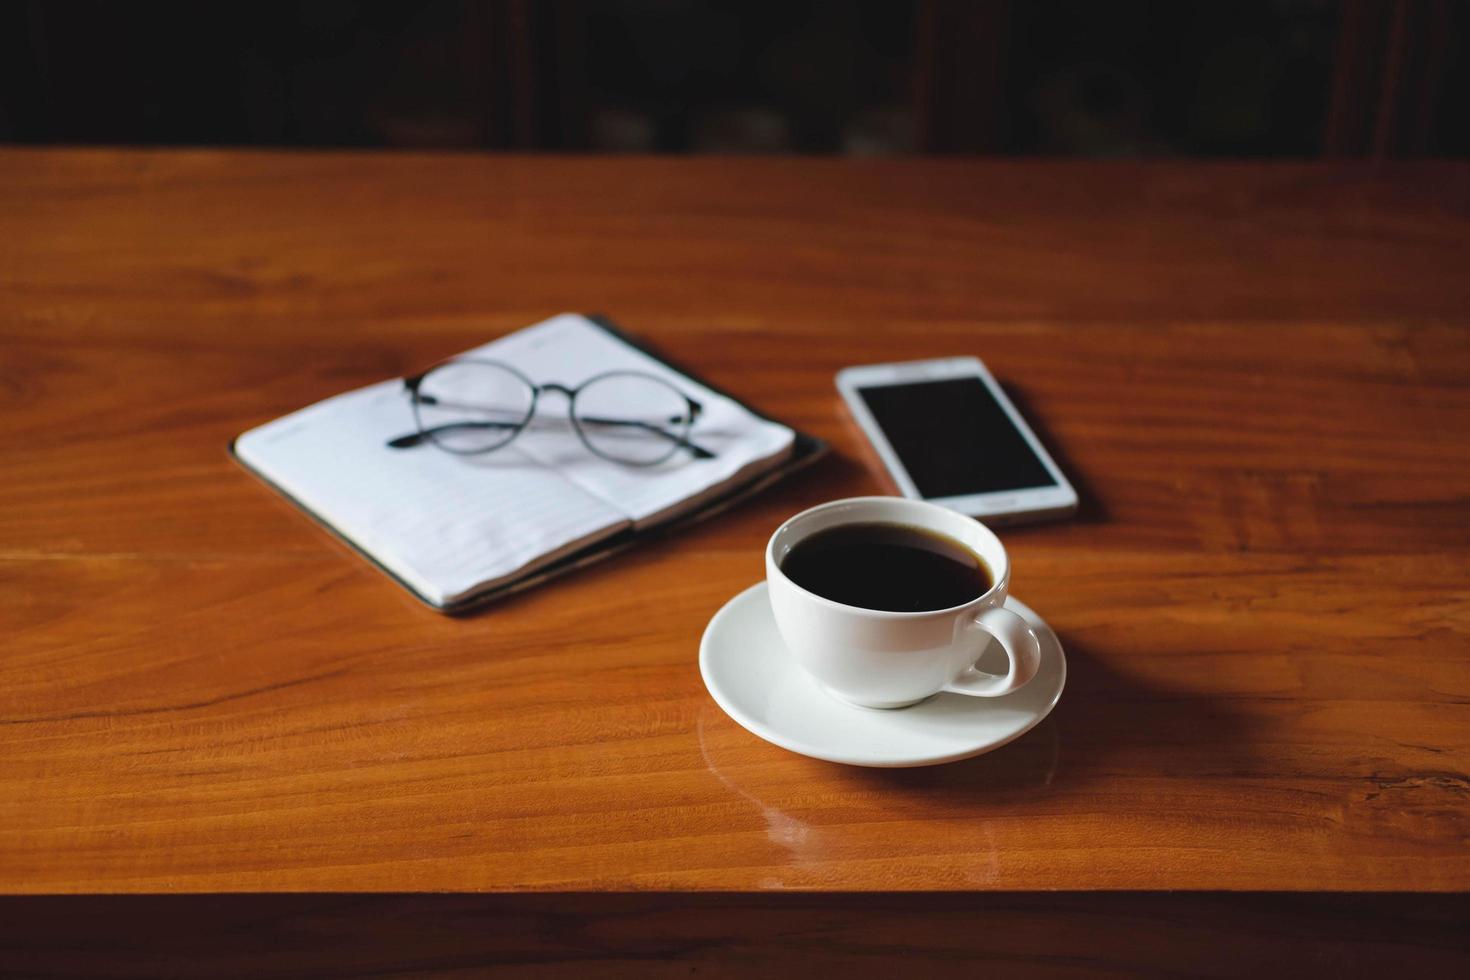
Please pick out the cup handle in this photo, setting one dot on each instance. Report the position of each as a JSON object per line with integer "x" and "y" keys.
{"x": 1023, "y": 652}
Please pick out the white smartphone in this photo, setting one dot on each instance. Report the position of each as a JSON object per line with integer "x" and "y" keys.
{"x": 946, "y": 433}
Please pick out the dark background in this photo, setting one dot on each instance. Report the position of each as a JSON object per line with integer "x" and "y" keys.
{"x": 1298, "y": 78}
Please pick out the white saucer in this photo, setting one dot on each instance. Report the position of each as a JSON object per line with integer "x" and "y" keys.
{"x": 750, "y": 675}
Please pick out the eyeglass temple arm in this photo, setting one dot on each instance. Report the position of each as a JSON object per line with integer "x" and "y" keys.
{"x": 412, "y": 383}
{"x": 423, "y": 398}
{"x": 698, "y": 451}
{"x": 411, "y": 439}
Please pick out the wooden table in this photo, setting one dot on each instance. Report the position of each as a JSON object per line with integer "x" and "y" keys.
{"x": 1257, "y": 375}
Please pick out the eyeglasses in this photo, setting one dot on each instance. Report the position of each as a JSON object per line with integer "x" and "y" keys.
{"x": 472, "y": 406}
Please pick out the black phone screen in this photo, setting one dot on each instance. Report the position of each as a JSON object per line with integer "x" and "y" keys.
{"x": 954, "y": 438}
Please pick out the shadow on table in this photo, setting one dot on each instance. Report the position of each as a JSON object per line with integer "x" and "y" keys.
{"x": 1107, "y": 725}
{"x": 1090, "y": 506}
{"x": 1110, "y": 736}
{"x": 1109, "y": 730}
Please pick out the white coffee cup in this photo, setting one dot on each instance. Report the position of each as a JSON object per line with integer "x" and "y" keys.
{"x": 882, "y": 659}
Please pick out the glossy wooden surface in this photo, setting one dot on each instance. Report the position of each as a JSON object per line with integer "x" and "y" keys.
{"x": 1259, "y": 377}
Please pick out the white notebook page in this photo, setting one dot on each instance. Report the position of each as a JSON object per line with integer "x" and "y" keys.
{"x": 448, "y": 525}
{"x": 453, "y": 525}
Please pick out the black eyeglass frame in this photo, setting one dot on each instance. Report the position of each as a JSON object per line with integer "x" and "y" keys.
{"x": 426, "y": 434}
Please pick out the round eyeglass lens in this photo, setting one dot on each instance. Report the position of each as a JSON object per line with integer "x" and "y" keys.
{"x": 632, "y": 418}
{"x": 472, "y": 406}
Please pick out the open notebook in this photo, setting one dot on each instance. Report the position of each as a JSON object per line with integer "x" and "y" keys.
{"x": 459, "y": 530}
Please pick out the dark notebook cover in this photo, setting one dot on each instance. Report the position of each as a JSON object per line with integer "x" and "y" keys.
{"x": 806, "y": 450}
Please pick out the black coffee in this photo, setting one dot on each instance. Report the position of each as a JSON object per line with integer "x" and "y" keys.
{"x": 893, "y": 567}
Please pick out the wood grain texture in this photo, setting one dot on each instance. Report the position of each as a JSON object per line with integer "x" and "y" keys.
{"x": 1256, "y": 374}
